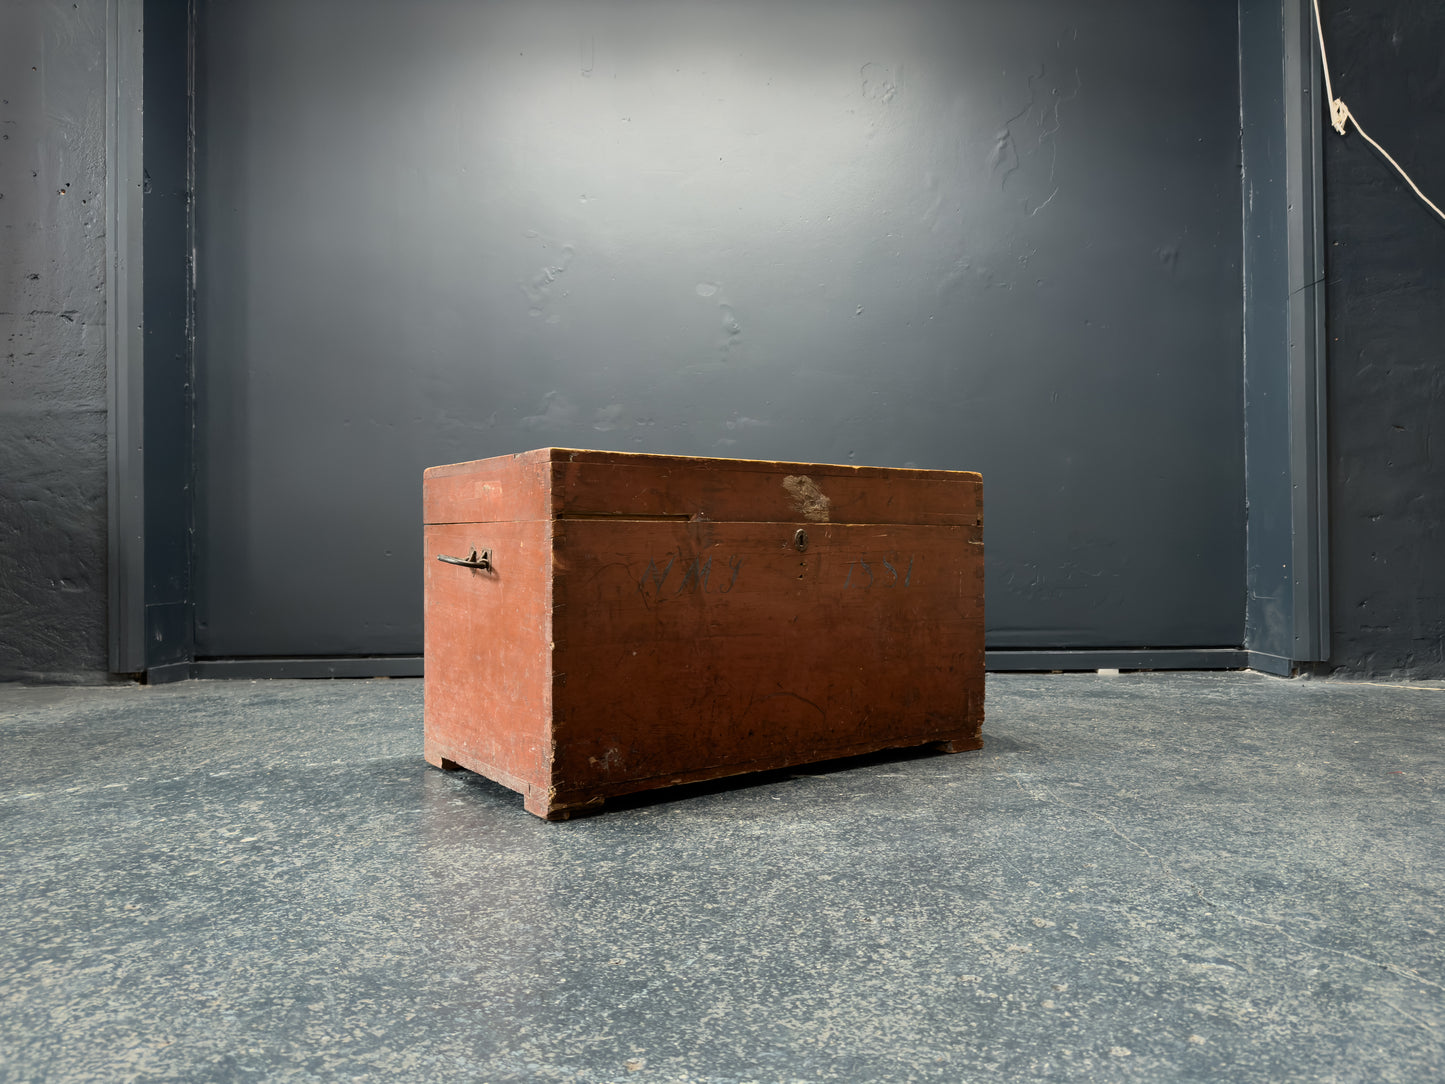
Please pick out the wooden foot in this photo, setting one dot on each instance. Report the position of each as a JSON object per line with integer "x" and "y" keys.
{"x": 549, "y": 809}
{"x": 957, "y": 745}
{"x": 436, "y": 760}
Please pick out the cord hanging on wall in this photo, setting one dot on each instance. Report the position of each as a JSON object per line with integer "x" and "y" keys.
{"x": 1340, "y": 114}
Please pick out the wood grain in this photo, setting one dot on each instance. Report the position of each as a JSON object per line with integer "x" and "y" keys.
{"x": 747, "y": 491}
{"x": 700, "y": 646}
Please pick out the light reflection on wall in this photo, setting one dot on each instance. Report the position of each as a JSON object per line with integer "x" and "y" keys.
{"x": 985, "y": 235}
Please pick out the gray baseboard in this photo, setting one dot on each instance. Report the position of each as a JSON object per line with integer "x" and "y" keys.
{"x": 998, "y": 661}
{"x": 171, "y": 671}
{"x": 344, "y": 666}
{"x": 1197, "y": 658}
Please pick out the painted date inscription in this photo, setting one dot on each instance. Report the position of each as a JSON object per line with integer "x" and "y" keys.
{"x": 679, "y": 574}
{"x": 866, "y": 574}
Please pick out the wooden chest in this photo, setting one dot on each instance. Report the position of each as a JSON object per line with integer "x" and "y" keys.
{"x": 599, "y": 623}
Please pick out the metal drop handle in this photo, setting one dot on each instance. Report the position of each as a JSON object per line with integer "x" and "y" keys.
{"x": 474, "y": 559}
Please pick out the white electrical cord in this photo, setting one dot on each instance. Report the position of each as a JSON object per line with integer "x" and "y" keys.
{"x": 1340, "y": 113}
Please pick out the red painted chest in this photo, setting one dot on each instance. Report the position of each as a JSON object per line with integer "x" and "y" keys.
{"x": 611, "y": 623}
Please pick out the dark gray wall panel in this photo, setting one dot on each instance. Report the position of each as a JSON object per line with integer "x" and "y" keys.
{"x": 1269, "y": 625}
{"x": 1386, "y": 292}
{"x": 169, "y": 465}
{"x": 983, "y": 235}
{"x": 1286, "y": 435}
{"x": 52, "y": 340}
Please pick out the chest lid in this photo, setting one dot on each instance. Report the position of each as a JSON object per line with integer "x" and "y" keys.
{"x": 566, "y": 483}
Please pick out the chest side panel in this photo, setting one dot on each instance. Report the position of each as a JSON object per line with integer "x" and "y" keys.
{"x": 690, "y": 649}
{"x": 488, "y": 659}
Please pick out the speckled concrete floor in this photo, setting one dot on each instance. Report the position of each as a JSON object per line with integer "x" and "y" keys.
{"x": 1210, "y": 877}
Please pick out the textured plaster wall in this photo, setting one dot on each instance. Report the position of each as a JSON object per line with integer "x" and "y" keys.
{"x": 1385, "y": 263}
{"x": 52, "y": 340}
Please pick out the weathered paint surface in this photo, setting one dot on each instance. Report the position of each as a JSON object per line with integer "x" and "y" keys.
{"x": 1386, "y": 323}
{"x": 670, "y": 620}
{"x": 52, "y": 340}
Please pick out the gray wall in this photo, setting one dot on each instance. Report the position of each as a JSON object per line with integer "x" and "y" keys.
{"x": 1386, "y": 275}
{"x": 995, "y": 236}
{"x": 52, "y": 339}
{"x": 1387, "y": 319}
